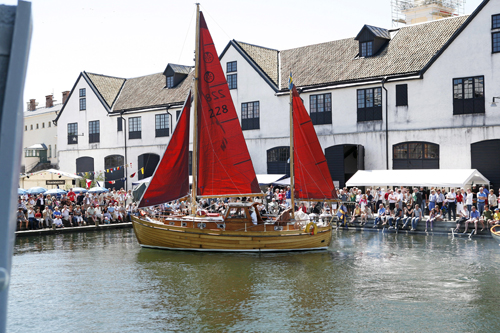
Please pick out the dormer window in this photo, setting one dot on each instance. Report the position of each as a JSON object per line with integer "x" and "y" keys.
{"x": 372, "y": 40}
{"x": 170, "y": 81}
{"x": 175, "y": 74}
{"x": 366, "y": 49}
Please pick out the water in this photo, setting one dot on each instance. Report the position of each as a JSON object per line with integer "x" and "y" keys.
{"x": 365, "y": 282}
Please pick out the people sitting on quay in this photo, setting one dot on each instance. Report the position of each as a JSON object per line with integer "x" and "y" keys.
{"x": 432, "y": 217}
{"x": 486, "y": 217}
{"x": 57, "y": 217}
{"x": 21, "y": 218}
{"x": 381, "y": 216}
{"x": 408, "y": 215}
{"x": 463, "y": 216}
{"x": 474, "y": 218}
{"x": 356, "y": 213}
{"x": 366, "y": 213}
{"x": 395, "y": 218}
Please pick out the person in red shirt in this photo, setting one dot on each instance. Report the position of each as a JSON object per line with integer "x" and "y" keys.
{"x": 71, "y": 195}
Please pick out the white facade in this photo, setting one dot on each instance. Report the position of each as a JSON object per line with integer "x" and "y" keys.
{"x": 39, "y": 129}
{"x": 111, "y": 141}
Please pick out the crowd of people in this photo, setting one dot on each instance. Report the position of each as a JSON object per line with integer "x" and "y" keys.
{"x": 396, "y": 208}
{"x": 74, "y": 209}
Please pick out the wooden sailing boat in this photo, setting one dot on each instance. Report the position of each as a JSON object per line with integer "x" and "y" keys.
{"x": 222, "y": 168}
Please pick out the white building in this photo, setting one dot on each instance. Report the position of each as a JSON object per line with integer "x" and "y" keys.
{"x": 40, "y": 135}
{"x": 414, "y": 97}
{"x": 117, "y": 126}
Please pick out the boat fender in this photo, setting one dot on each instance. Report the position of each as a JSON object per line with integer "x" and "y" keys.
{"x": 201, "y": 213}
{"x": 308, "y": 228}
{"x": 142, "y": 213}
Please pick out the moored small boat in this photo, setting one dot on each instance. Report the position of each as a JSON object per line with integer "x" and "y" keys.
{"x": 495, "y": 232}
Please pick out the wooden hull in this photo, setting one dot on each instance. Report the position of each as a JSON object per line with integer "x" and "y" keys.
{"x": 495, "y": 232}
{"x": 176, "y": 237}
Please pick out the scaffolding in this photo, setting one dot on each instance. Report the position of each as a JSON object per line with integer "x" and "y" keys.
{"x": 440, "y": 9}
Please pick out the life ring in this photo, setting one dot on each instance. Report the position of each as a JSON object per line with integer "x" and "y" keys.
{"x": 308, "y": 228}
{"x": 143, "y": 213}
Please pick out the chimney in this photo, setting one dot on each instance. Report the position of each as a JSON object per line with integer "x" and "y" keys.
{"x": 65, "y": 96}
{"x": 48, "y": 101}
{"x": 32, "y": 106}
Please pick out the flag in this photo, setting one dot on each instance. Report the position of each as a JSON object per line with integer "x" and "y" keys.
{"x": 142, "y": 170}
{"x": 118, "y": 168}
{"x": 111, "y": 182}
{"x": 290, "y": 81}
{"x": 89, "y": 182}
{"x": 132, "y": 175}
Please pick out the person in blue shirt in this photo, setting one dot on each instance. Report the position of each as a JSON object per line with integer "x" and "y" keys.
{"x": 481, "y": 198}
{"x": 474, "y": 218}
{"x": 381, "y": 215}
{"x": 288, "y": 196}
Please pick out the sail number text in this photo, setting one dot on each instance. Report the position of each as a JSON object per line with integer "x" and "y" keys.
{"x": 214, "y": 94}
{"x": 217, "y": 111}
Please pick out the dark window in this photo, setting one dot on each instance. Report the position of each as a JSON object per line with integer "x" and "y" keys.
{"x": 495, "y": 40}
{"x": 119, "y": 124}
{"x": 83, "y": 104}
{"x": 170, "y": 81}
{"x": 43, "y": 125}
{"x": 321, "y": 108}
{"x": 495, "y": 21}
{"x": 162, "y": 125}
{"x": 49, "y": 124}
{"x": 468, "y": 95}
{"x": 134, "y": 128}
{"x": 94, "y": 131}
{"x": 231, "y": 67}
{"x": 31, "y": 127}
{"x": 83, "y": 100}
{"x": 72, "y": 133}
{"x": 278, "y": 160}
{"x": 36, "y": 126}
{"x": 25, "y": 127}
{"x": 367, "y": 49}
{"x": 231, "y": 81}
{"x": 369, "y": 104}
{"x": 177, "y": 114}
{"x": 401, "y": 95}
{"x": 250, "y": 115}
{"x": 416, "y": 155}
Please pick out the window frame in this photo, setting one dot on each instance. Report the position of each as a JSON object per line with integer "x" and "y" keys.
{"x": 424, "y": 148}
{"x": 135, "y": 123}
{"x": 170, "y": 81}
{"x": 493, "y": 35}
{"x": 162, "y": 125}
{"x": 366, "y": 49}
{"x": 402, "y": 89}
{"x": 493, "y": 21}
{"x": 94, "y": 131}
{"x": 319, "y": 117}
{"x": 370, "y": 111}
{"x": 232, "y": 81}
{"x": 250, "y": 123}
{"x": 83, "y": 100}
{"x": 73, "y": 137}
{"x": 231, "y": 67}
{"x": 119, "y": 124}
{"x": 462, "y": 105}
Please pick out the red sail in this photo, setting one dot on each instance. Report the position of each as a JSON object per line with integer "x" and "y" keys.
{"x": 312, "y": 177}
{"x": 171, "y": 178}
{"x": 224, "y": 164}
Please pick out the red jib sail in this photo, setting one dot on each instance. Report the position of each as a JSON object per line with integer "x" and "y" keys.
{"x": 171, "y": 178}
{"x": 311, "y": 174}
{"x": 224, "y": 164}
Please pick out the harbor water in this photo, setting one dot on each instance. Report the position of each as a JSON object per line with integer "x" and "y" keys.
{"x": 365, "y": 282}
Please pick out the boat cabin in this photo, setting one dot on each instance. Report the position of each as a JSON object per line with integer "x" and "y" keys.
{"x": 242, "y": 212}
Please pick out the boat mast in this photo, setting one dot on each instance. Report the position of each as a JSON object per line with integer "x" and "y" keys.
{"x": 292, "y": 181}
{"x": 194, "y": 160}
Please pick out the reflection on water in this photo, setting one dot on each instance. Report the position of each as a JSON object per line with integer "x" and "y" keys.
{"x": 104, "y": 282}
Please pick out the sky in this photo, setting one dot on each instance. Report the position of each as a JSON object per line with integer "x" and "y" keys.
{"x": 130, "y": 38}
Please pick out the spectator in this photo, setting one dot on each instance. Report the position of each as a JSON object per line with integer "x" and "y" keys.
{"x": 56, "y": 216}
{"x": 21, "y": 218}
{"x": 463, "y": 215}
{"x": 439, "y": 199}
{"x": 381, "y": 215}
{"x": 33, "y": 223}
{"x": 417, "y": 213}
{"x": 408, "y": 211}
{"x": 365, "y": 214}
{"x": 47, "y": 217}
{"x": 492, "y": 200}
{"x": 460, "y": 199}
{"x": 469, "y": 200}
{"x": 71, "y": 195}
{"x": 474, "y": 218}
{"x": 432, "y": 217}
{"x": 356, "y": 213}
{"x": 481, "y": 200}
{"x": 487, "y": 217}
{"x": 432, "y": 200}
{"x": 396, "y": 217}
{"x": 451, "y": 199}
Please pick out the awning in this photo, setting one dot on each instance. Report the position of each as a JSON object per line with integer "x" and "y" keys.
{"x": 37, "y": 146}
{"x": 425, "y": 177}
{"x": 265, "y": 179}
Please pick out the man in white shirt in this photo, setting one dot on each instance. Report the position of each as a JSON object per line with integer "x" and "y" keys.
{"x": 451, "y": 198}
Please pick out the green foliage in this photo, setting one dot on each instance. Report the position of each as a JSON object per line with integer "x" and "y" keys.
{"x": 99, "y": 176}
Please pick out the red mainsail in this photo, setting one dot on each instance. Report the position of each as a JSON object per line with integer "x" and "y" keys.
{"x": 171, "y": 178}
{"x": 312, "y": 177}
{"x": 224, "y": 164}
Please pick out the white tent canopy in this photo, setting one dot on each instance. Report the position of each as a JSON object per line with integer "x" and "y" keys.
{"x": 265, "y": 179}
{"x": 420, "y": 177}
